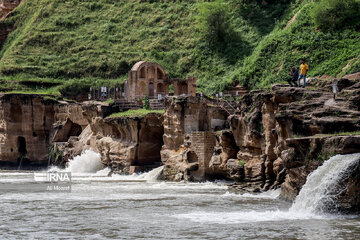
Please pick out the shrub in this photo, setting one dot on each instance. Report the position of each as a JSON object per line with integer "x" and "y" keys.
{"x": 336, "y": 14}
{"x": 146, "y": 103}
{"x": 241, "y": 162}
{"x": 213, "y": 22}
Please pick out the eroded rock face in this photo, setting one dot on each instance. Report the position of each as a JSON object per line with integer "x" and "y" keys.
{"x": 131, "y": 141}
{"x": 26, "y": 123}
{"x": 223, "y": 161}
{"x": 349, "y": 199}
{"x": 306, "y": 154}
{"x": 30, "y": 124}
{"x": 278, "y": 134}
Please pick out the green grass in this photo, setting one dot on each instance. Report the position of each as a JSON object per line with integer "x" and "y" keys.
{"x": 339, "y": 134}
{"x": 135, "y": 113}
{"x": 325, "y": 53}
{"x": 355, "y": 133}
{"x": 241, "y": 163}
{"x": 79, "y": 44}
{"x": 110, "y": 101}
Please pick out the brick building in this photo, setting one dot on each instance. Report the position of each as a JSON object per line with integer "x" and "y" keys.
{"x": 150, "y": 79}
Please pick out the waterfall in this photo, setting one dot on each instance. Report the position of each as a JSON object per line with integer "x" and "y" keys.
{"x": 20, "y": 163}
{"x": 152, "y": 175}
{"x": 88, "y": 162}
{"x": 315, "y": 194}
{"x": 49, "y": 161}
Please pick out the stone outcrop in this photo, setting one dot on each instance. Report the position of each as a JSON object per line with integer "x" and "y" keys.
{"x": 305, "y": 154}
{"x": 288, "y": 133}
{"x": 189, "y": 137}
{"x": 275, "y": 139}
{"x": 26, "y": 123}
{"x": 31, "y": 124}
{"x": 130, "y": 141}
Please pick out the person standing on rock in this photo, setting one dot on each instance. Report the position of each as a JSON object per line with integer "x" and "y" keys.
{"x": 304, "y": 68}
{"x": 294, "y": 76}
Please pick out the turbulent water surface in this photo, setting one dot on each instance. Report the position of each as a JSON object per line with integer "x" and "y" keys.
{"x": 136, "y": 207}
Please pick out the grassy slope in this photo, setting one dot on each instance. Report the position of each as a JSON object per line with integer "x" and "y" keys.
{"x": 335, "y": 54}
{"x": 69, "y": 42}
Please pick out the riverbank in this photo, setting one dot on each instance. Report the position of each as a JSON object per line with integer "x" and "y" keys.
{"x": 265, "y": 140}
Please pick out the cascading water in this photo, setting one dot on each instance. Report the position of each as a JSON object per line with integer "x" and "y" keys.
{"x": 88, "y": 162}
{"x": 152, "y": 175}
{"x": 20, "y": 163}
{"x": 315, "y": 194}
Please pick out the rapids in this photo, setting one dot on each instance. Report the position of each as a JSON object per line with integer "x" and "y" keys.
{"x": 139, "y": 206}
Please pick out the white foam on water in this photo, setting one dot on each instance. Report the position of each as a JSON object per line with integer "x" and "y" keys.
{"x": 103, "y": 172}
{"x": 189, "y": 186}
{"x": 88, "y": 162}
{"x": 315, "y": 192}
{"x": 151, "y": 176}
{"x": 308, "y": 204}
{"x": 244, "y": 217}
{"x": 271, "y": 194}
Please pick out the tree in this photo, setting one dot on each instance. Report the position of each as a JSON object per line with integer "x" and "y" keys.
{"x": 331, "y": 15}
{"x": 213, "y": 22}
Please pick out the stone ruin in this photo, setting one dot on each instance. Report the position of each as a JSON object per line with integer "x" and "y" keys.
{"x": 147, "y": 79}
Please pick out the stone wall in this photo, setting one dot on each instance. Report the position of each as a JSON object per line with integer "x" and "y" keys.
{"x": 202, "y": 144}
{"x": 189, "y": 138}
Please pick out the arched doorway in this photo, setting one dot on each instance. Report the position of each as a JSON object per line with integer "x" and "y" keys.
{"x": 160, "y": 74}
{"x": 142, "y": 89}
{"x": 160, "y": 89}
{"x": 22, "y": 146}
{"x": 151, "y": 72}
{"x": 142, "y": 72}
{"x": 151, "y": 90}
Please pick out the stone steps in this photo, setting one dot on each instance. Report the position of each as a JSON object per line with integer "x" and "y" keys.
{"x": 156, "y": 104}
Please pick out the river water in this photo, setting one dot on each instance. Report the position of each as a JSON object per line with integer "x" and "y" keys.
{"x": 139, "y": 207}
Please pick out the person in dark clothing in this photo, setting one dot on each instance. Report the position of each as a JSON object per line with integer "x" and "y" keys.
{"x": 294, "y": 77}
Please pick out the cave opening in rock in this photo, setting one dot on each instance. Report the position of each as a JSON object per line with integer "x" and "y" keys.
{"x": 22, "y": 146}
{"x": 75, "y": 130}
{"x": 66, "y": 131}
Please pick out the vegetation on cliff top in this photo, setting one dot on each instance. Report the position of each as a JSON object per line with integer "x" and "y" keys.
{"x": 61, "y": 46}
{"x": 135, "y": 113}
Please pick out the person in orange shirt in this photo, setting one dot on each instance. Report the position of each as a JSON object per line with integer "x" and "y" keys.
{"x": 304, "y": 68}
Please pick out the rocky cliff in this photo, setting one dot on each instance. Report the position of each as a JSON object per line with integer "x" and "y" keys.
{"x": 128, "y": 143}
{"x": 284, "y": 135}
{"x": 26, "y": 122}
{"x": 274, "y": 139}
{"x": 31, "y": 124}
